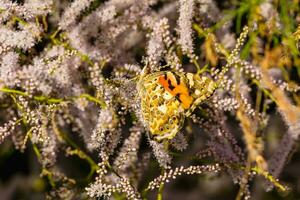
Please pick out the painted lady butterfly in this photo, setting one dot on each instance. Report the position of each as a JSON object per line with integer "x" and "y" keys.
{"x": 167, "y": 97}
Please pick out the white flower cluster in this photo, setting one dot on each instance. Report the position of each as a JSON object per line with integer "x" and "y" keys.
{"x": 186, "y": 11}
{"x": 178, "y": 171}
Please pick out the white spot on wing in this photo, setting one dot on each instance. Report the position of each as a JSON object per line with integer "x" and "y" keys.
{"x": 167, "y": 96}
{"x": 163, "y": 109}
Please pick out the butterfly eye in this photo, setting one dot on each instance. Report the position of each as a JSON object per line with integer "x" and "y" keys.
{"x": 161, "y": 128}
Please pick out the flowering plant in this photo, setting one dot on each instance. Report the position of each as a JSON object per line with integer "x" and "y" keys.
{"x": 115, "y": 99}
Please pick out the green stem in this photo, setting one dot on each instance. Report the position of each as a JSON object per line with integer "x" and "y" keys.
{"x": 263, "y": 173}
{"x": 93, "y": 166}
{"x": 37, "y": 98}
{"x": 93, "y": 99}
{"x": 12, "y": 91}
{"x": 160, "y": 192}
{"x": 266, "y": 92}
{"x": 194, "y": 61}
{"x": 21, "y": 21}
{"x": 45, "y": 172}
{"x": 77, "y": 151}
{"x": 51, "y": 100}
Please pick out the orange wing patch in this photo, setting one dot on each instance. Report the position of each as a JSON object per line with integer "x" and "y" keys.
{"x": 176, "y": 88}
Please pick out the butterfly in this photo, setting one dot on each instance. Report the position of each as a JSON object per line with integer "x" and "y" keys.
{"x": 168, "y": 97}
